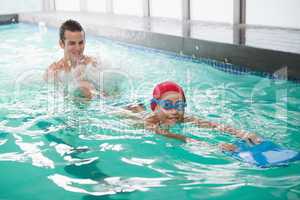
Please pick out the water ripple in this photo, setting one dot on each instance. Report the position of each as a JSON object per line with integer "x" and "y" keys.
{"x": 108, "y": 186}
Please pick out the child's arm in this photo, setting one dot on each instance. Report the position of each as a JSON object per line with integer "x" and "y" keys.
{"x": 251, "y": 137}
{"x": 125, "y": 113}
{"x": 156, "y": 129}
{"x": 227, "y": 147}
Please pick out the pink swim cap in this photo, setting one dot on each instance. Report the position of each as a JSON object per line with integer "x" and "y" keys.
{"x": 164, "y": 87}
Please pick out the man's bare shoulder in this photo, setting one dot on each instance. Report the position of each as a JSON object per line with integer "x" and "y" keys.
{"x": 90, "y": 60}
{"x": 56, "y": 65}
{"x": 53, "y": 69}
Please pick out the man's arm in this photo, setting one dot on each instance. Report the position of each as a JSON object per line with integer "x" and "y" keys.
{"x": 251, "y": 137}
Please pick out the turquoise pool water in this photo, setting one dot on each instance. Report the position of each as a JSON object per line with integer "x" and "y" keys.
{"x": 54, "y": 148}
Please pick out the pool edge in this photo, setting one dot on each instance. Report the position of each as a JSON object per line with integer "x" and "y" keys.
{"x": 9, "y": 19}
{"x": 283, "y": 64}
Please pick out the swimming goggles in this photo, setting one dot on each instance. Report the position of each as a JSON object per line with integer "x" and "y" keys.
{"x": 168, "y": 104}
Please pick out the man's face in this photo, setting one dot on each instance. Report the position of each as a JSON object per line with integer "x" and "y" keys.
{"x": 170, "y": 116}
{"x": 73, "y": 45}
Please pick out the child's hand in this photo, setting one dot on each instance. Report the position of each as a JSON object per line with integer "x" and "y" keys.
{"x": 251, "y": 137}
{"x": 227, "y": 147}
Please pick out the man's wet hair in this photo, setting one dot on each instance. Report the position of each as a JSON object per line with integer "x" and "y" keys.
{"x": 69, "y": 25}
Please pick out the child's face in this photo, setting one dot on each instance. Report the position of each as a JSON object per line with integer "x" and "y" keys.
{"x": 170, "y": 116}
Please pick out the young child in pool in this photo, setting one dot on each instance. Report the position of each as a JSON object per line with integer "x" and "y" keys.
{"x": 168, "y": 106}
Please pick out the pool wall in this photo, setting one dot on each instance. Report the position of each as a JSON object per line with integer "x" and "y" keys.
{"x": 9, "y": 18}
{"x": 139, "y": 31}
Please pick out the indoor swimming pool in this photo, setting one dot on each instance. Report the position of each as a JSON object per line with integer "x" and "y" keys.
{"x": 52, "y": 147}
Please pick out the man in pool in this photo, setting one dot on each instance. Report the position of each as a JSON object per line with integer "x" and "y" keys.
{"x": 74, "y": 62}
{"x": 168, "y": 106}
